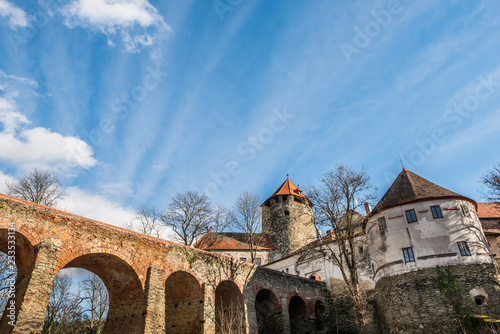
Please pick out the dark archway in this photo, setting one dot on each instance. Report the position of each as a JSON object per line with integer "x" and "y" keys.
{"x": 297, "y": 311}
{"x": 320, "y": 316}
{"x": 127, "y": 306}
{"x": 183, "y": 304}
{"x": 269, "y": 313}
{"x": 24, "y": 253}
{"x": 229, "y": 309}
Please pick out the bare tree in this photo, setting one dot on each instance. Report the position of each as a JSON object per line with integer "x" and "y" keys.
{"x": 247, "y": 219}
{"x": 95, "y": 298}
{"x": 8, "y": 275}
{"x": 337, "y": 199}
{"x": 189, "y": 215}
{"x": 492, "y": 181}
{"x": 64, "y": 310}
{"x": 39, "y": 186}
{"x": 147, "y": 221}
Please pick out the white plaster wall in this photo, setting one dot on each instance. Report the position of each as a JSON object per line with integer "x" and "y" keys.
{"x": 238, "y": 254}
{"x": 427, "y": 237}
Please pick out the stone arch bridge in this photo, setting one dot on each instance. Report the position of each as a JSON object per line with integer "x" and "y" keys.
{"x": 154, "y": 285}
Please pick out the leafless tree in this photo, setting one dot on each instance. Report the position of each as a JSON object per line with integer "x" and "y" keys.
{"x": 147, "y": 221}
{"x": 94, "y": 295}
{"x": 492, "y": 181}
{"x": 8, "y": 274}
{"x": 339, "y": 195}
{"x": 189, "y": 215}
{"x": 64, "y": 310}
{"x": 247, "y": 219}
{"x": 39, "y": 186}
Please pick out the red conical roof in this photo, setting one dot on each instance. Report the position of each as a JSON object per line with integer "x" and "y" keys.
{"x": 288, "y": 188}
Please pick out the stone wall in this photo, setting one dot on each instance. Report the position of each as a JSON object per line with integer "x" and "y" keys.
{"x": 412, "y": 302}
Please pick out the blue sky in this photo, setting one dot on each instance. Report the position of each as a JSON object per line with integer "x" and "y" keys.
{"x": 131, "y": 101}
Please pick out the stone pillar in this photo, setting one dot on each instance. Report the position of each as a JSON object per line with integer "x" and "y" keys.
{"x": 208, "y": 309}
{"x": 250, "y": 313}
{"x": 285, "y": 316}
{"x": 155, "y": 301}
{"x": 36, "y": 295}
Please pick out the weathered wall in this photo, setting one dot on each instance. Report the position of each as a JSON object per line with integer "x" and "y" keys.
{"x": 135, "y": 269}
{"x": 412, "y": 302}
{"x": 289, "y": 221}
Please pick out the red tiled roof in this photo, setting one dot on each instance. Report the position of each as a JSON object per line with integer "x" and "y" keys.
{"x": 288, "y": 188}
{"x": 231, "y": 241}
{"x": 410, "y": 187}
{"x": 488, "y": 210}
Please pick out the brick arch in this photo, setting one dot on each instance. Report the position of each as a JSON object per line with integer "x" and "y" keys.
{"x": 298, "y": 313}
{"x": 184, "y": 303}
{"x": 229, "y": 308}
{"x": 70, "y": 252}
{"x": 267, "y": 304}
{"x": 127, "y": 304}
{"x": 24, "y": 229}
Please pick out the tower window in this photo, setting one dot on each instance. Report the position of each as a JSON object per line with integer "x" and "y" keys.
{"x": 382, "y": 225}
{"x": 464, "y": 248}
{"x": 480, "y": 300}
{"x": 408, "y": 254}
{"x": 287, "y": 213}
{"x": 411, "y": 216}
{"x": 436, "y": 212}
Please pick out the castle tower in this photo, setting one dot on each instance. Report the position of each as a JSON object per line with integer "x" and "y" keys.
{"x": 288, "y": 218}
{"x": 416, "y": 228}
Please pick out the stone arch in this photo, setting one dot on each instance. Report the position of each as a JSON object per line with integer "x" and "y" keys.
{"x": 184, "y": 303}
{"x": 25, "y": 254}
{"x": 70, "y": 252}
{"x": 229, "y": 308}
{"x": 320, "y": 315}
{"x": 127, "y": 306}
{"x": 297, "y": 310}
{"x": 269, "y": 312}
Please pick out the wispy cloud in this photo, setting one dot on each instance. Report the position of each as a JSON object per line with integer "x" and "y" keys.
{"x": 25, "y": 147}
{"x": 16, "y": 16}
{"x": 136, "y": 22}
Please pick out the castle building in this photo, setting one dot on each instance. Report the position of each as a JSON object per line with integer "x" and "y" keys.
{"x": 416, "y": 232}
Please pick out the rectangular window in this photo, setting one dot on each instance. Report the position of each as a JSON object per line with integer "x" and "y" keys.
{"x": 411, "y": 216}
{"x": 243, "y": 259}
{"x": 436, "y": 212}
{"x": 408, "y": 254}
{"x": 465, "y": 210}
{"x": 258, "y": 261}
{"x": 464, "y": 248}
{"x": 382, "y": 225}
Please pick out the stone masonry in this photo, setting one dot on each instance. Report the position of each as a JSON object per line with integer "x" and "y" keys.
{"x": 154, "y": 286}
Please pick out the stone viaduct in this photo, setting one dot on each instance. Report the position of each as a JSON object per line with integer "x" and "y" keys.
{"x": 154, "y": 285}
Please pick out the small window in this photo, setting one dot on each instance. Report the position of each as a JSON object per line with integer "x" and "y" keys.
{"x": 258, "y": 261}
{"x": 464, "y": 248}
{"x": 465, "y": 211}
{"x": 436, "y": 212}
{"x": 360, "y": 250}
{"x": 287, "y": 213}
{"x": 382, "y": 225}
{"x": 480, "y": 300}
{"x": 411, "y": 216}
{"x": 286, "y": 270}
{"x": 408, "y": 255}
{"x": 243, "y": 259}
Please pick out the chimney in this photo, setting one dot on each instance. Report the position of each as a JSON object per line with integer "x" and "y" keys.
{"x": 368, "y": 208}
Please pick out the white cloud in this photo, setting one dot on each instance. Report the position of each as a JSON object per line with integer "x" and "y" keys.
{"x": 27, "y": 147}
{"x": 96, "y": 207}
{"x": 17, "y": 17}
{"x": 136, "y": 22}
{"x": 4, "y": 178}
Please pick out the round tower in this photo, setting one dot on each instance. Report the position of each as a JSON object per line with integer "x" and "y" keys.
{"x": 417, "y": 231}
{"x": 287, "y": 217}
